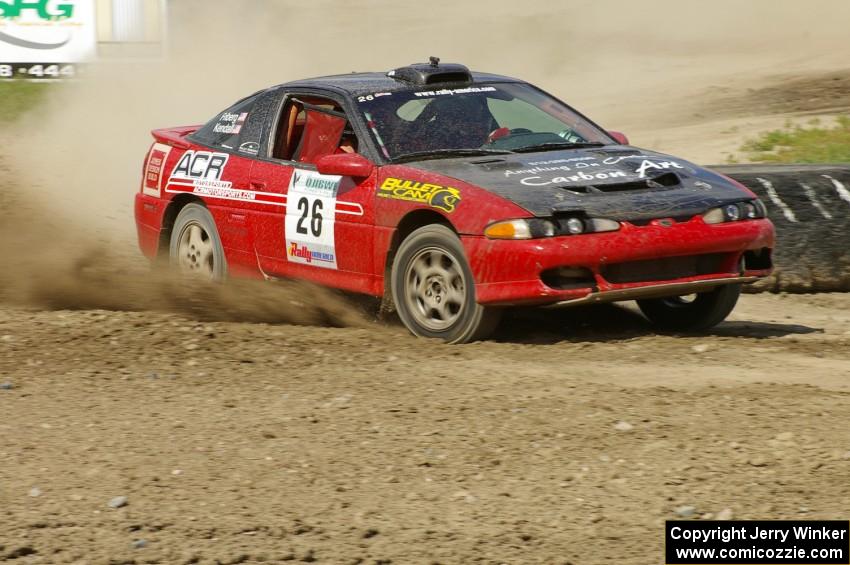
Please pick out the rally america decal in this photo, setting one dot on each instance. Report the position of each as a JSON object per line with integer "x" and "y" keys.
{"x": 310, "y": 219}
{"x": 444, "y": 198}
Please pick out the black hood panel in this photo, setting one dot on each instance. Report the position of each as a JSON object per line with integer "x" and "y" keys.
{"x": 616, "y": 182}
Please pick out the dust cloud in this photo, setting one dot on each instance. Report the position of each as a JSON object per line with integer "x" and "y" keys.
{"x": 73, "y": 164}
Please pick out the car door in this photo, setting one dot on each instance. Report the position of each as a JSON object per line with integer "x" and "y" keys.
{"x": 321, "y": 229}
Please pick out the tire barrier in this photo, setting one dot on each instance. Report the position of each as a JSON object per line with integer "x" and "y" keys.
{"x": 810, "y": 207}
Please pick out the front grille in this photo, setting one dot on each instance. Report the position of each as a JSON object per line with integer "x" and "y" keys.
{"x": 568, "y": 278}
{"x": 758, "y": 260}
{"x": 664, "y": 269}
{"x": 676, "y": 219}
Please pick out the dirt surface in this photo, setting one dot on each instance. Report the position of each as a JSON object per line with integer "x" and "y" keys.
{"x": 568, "y": 439}
{"x": 823, "y": 92}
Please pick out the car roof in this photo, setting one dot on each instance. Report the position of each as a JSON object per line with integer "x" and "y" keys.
{"x": 369, "y": 83}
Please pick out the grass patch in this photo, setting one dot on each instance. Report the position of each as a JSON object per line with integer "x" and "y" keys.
{"x": 796, "y": 144}
{"x": 18, "y": 97}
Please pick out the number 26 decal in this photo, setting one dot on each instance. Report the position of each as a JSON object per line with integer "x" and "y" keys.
{"x": 315, "y": 216}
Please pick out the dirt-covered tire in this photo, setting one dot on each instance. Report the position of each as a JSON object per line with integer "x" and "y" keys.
{"x": 195, "y": 247}
{"x": 434, "y": 291}
{"x": 705, "y": 311}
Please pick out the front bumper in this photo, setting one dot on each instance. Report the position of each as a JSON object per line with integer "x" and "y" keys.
{"x": 513, "y": 272}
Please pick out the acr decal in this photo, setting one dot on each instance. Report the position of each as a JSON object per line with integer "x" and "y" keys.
{"x": 311, "y": 218}
{"x": 153, "y": 169}
{"x": 201, "y": 169}
{"x": 230, "y": 123}
{"x": 444, "y": 198}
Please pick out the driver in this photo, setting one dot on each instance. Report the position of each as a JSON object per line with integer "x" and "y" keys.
{"x": 458, "y": 121}
{"x": 347, "y": 143}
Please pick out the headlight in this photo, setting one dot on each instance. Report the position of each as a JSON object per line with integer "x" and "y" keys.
{"x": 732, "y": 213}
{"x": 520, "y": 229}
{"x": 533, "y": 228}
{"x": 750, "y": 210}
{"x": 574, "y": 226}
{"x": 601, "y": 224}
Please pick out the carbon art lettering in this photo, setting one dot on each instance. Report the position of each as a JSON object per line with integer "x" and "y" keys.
{"x": 581, "y": 176}
{"x": 647, "y": 165}
{"x": 557, "y": 165}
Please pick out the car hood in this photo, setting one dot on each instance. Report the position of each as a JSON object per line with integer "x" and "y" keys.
{"x": 617, "y": 182}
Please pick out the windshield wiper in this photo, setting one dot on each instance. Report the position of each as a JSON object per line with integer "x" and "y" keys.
{"x": 559, "y": 145}
{"x": 437, "y": 153}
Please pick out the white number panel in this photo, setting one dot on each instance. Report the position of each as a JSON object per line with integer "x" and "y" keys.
{"x": 310, "y": 218}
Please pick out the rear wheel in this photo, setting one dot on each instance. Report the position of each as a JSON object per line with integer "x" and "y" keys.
{"x": 692, "y": 312}
{"x": 195, "y": 247}
{"x": 433, "y": 288}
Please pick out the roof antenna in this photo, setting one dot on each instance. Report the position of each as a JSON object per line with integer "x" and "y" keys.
{"x": 435, "y": 61}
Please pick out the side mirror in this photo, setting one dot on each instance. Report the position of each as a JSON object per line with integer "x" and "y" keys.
{"x": 620, "y": 137}
{"x": 345, "y": 165}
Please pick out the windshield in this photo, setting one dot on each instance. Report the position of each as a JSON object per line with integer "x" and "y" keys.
{"x": 496, "y": 117}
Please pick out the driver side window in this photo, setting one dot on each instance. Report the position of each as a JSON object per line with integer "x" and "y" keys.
{"x": 309, "y": 128}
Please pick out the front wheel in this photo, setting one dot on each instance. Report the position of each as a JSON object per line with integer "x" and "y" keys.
{"x": 433, "y": 288}
{"x": 700, "y": 312}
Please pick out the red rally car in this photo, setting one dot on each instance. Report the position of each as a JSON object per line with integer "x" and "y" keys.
{"x": 452, "y": 194}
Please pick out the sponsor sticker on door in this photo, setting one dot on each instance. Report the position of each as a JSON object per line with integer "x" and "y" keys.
{"x": 310, "y": 219}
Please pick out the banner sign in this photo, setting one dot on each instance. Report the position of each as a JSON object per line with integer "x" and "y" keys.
{"x": 47, "y": 32}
